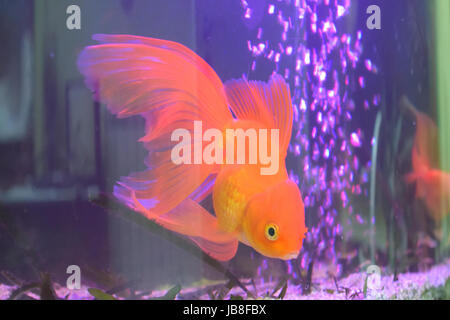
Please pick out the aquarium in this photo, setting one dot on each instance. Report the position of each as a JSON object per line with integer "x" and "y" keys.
{"x": 224, "y": 150}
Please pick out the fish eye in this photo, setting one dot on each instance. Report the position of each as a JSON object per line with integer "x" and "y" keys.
{"x": 271, "y": 231}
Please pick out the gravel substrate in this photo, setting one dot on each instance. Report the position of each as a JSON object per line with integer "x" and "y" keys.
{"x": 407, "y": 286}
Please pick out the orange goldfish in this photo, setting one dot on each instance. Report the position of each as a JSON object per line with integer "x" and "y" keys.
{"x": 171, "y": 87}
{"x": 432, "y": 184}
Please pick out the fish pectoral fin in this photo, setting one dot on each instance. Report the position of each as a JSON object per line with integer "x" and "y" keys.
{"x": 191, "y": 219}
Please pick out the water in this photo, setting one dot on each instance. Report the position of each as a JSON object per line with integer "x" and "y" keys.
{"x": 350, "y": 151}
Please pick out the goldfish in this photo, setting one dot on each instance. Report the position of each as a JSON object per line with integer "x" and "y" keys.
{"x": 172, "y": 88}
{"x": 432, "y": 184}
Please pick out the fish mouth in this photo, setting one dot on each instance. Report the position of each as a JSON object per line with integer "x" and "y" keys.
{"x": 291, "y": 255}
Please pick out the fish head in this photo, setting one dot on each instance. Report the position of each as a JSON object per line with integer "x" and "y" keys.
{"x": 274, "y": 221}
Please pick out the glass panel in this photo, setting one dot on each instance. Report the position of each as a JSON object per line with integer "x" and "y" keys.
{"x": 323, "y": 166}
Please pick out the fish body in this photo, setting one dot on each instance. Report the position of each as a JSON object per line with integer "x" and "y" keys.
{"x": 172, "y": 88}
{"x": 432, "y": 184}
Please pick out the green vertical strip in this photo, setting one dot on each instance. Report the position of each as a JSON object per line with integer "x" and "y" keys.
{"x": 373, "y": 175}
{"x": 442, "y": 60}
{"x": 442, "y": 64}
{"x": 38, "y": 94}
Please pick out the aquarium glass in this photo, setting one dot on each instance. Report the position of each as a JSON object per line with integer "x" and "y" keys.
{"x": 96, "y": 98}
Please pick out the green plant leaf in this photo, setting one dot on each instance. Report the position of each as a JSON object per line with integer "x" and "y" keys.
{"x": 279, "y": 285}
{"x": 283, "y": 291}
{"x": 171, "y": 294}
{"x": 212, "y": 294}
{"x": 47, "y": 292}
{"x": 24, "y": 289}
{"x": 365, "y": 286}
{"x": 100, "y": 295}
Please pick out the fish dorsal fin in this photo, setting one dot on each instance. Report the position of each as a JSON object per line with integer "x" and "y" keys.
{"x": 269, "y": 103}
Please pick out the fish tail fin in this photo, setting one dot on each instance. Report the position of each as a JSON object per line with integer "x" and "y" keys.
{"x": 170, "y": 87}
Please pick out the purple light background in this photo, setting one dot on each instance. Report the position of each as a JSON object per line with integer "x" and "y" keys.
{"x": 319, "y": 60}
